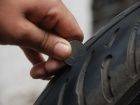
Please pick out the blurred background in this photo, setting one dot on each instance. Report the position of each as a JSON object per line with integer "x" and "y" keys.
{"x": 16, "y": 85}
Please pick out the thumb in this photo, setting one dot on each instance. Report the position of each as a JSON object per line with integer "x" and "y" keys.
{"x": 44, "y": 42}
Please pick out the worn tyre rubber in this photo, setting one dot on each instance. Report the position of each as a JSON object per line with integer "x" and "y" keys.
{"x": 108, "y": 73}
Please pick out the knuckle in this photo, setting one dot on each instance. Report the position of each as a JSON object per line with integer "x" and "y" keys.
{"x": 22, "y": 30}
{"x": 56, "y": 8}
{"x": 44, "y": 43}
{"x": 21, "y": 33}
{"x": 55, "y": 11}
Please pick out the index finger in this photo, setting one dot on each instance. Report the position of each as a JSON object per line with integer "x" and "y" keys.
{"x": 53, "y": 15}
{"x": 66, "y": 24}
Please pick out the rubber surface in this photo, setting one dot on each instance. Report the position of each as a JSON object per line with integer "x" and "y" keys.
{"x": 109, "y": 71}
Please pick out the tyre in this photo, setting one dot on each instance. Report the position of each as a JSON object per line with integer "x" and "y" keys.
{"x": 108, "y": 73}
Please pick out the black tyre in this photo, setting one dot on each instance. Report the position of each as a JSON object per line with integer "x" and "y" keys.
{"x": 108, "y": 73}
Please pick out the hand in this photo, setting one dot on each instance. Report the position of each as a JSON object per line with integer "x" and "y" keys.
{"x": 39, "y": 26}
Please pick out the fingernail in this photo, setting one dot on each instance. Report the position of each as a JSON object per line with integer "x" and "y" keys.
{"x": 37, "y": 73}
{"x": 62, "y": 50}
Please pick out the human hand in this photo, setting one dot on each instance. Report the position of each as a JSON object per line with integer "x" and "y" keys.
{"x": 39, "y": 26}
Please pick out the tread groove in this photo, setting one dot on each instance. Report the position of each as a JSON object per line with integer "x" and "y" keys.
{"x": 80, "y": 82}
{"x": 105, "y": 79}
{"x": 131, "y": 55}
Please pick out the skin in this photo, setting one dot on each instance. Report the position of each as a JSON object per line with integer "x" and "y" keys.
{"x": 39, "y": 27}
